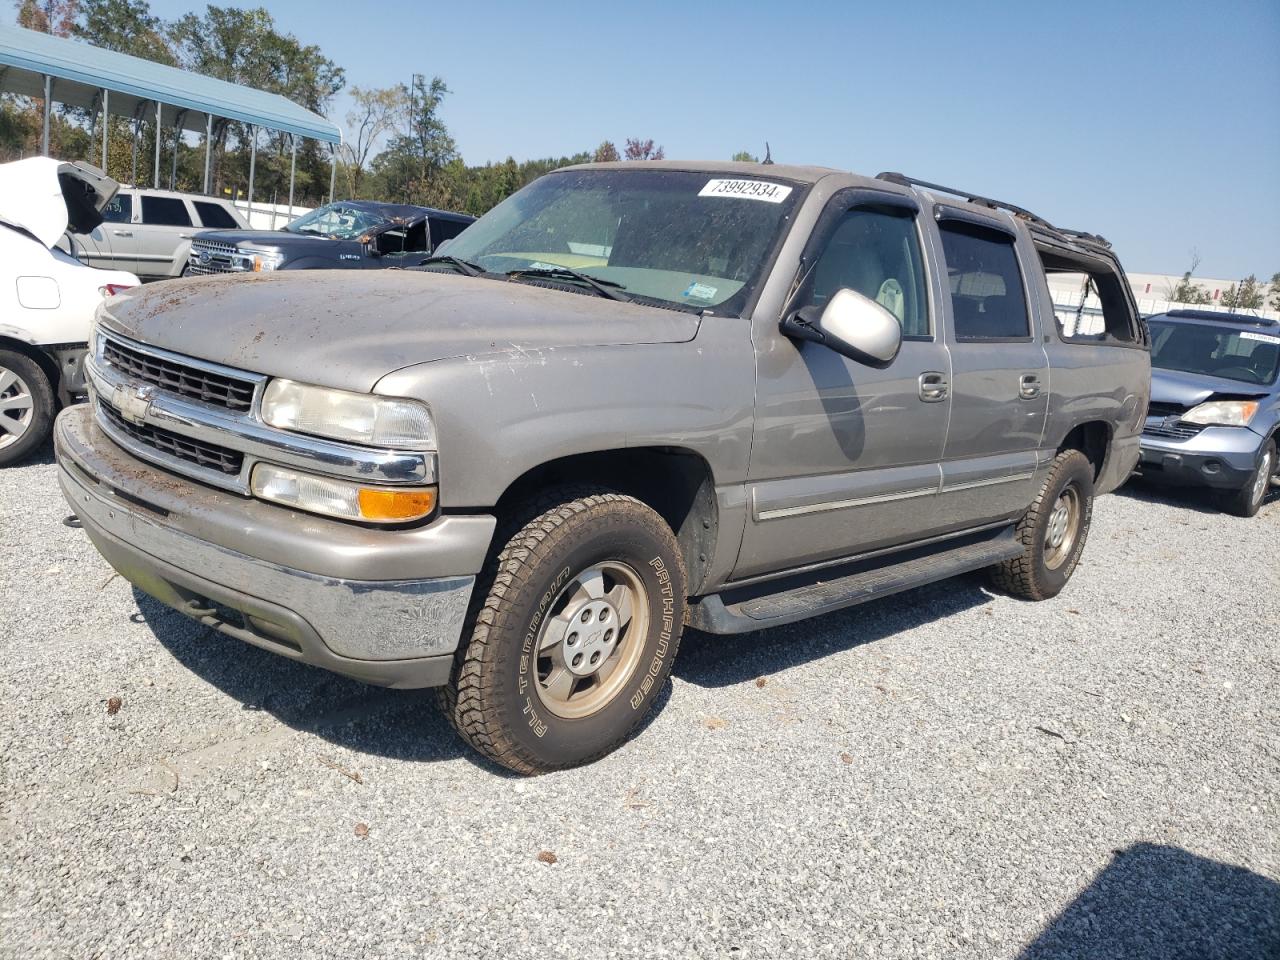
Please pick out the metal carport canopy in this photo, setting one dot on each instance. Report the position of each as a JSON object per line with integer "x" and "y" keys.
{"x": 81, "y": 72}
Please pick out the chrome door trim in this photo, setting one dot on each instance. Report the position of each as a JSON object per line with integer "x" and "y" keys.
{"x": 779, "y": 512}
{"x": 989, "y": 482}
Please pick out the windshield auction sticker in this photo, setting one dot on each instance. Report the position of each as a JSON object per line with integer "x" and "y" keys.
{"x": 1247, "y": 335}
{"x": 746, "y": 190}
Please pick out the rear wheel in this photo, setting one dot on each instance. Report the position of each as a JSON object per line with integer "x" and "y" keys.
{"x": 574, "y": 629}
{"x": 1247, "y": 501}
{"x": 27, "y": 406}
{"x": 1052, "y": 532}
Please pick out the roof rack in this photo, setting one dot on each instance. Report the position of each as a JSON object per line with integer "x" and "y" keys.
{"x": 1021, "y": 212}
{"x": 1214, "y": 317}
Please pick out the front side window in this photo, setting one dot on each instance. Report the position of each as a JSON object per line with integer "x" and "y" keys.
{"x": 695, "y": 240}
{"x": 987, "y": 299}
{"x": 1248, "y": 356}
{"x": 165, "y": 211}
{"x": 119, "y": 210}
{"x": 875, "y": 252}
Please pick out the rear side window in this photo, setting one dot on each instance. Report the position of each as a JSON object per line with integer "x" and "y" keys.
{"x": 165, "y": 212}
{"x": 442, "y": 230}
{"x": 214, "y": 215}
{"x": 119, "y": 210}
{"x": 987, "y": 299}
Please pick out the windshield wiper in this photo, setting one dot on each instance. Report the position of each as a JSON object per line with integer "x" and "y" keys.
{"x": 462, "y": 266}
{"x": 606, "y": 288}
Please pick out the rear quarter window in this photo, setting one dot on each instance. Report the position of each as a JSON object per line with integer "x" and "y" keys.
{"x": 214, "y": 215}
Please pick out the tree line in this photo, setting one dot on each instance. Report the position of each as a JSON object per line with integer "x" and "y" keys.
{"x": 398, "y": 147}
{"x": 1248, "y": 294}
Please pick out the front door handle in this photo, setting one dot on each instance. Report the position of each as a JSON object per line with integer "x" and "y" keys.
{"x": 933, "y": 387}
{"x": 1028, "y": 386}
{"x": 123, "y": 233}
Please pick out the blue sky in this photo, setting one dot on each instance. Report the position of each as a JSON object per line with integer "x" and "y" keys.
{"x": 1156, "y": 124}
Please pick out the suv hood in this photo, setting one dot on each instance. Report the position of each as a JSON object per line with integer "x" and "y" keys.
{"x": 48, "y": 197}
{"x": 1189, "y": 389}
{"x": 348, "y": 329}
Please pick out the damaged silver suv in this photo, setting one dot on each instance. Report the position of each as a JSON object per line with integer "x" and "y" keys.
{"x": 631, "y": 398}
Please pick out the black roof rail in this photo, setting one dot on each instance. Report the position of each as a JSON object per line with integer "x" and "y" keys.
{"x": 904, "y": 181}
{"x": 1214, "y": 317}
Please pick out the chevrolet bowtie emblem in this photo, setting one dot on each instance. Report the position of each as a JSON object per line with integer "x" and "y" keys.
{"x": 132, "y": 402}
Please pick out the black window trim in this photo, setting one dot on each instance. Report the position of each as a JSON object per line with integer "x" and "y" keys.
{"x": 845, "y": 201}
{"x": 1004, "y": 234}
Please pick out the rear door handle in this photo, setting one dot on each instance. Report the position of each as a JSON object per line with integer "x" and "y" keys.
{"x": 123, "y": 233}
{"x": 933, "y": 387}
{"x": 1028, "y": 386}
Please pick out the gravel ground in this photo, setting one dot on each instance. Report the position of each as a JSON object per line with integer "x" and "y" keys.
{"x": 950, "y": 773}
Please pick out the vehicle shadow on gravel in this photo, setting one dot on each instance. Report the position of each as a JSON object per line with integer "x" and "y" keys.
{"x": 710, "y": 660}
{"x": 1196, "y": 499}
{"x": 1159, "y": 901}
{"x": 397, "y": 724}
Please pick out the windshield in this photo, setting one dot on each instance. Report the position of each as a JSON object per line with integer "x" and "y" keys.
{"x": 338, "y": 220}
{"x": 691, "y": 239}
{"x": 1215, "y": 351}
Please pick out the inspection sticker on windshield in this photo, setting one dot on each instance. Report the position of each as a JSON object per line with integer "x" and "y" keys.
{"x": 1248, "y": 335}
{"x": 746, "y": 189}
{"x": 700, "y": 291}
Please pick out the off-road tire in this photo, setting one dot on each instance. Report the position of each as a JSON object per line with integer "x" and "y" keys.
{"x": 1246, "y": 502}
{"x": 1028, "y": 575}
{"x": 44, "y": 406}
{"x": 489, "y": 700}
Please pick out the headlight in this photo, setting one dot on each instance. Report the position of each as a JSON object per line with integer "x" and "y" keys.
{"x": 259, "y": 260}
{"x": 340, "y": 498}
{"x": 1222, "y": 413}
{"x": 356, "y": 417}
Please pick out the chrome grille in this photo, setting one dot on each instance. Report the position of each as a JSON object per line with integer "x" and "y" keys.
{"x": 1169, "y": 428}
{"x": 203, "y": 454}
{"x": 187, "y": 381}
{"x": 212, "y": 256}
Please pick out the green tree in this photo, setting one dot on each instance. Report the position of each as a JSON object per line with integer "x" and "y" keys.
{"x": 410, "y": 169}
{"x": 57, "y": 17}
{"x": 742, "y": 156}
{"x": 1186, "y": 291}
{"x": 606, "y": 153}
{"x": 375, "y": 114}
{"x": 1275, "y": 291}
{"x": 1245, "y": 295}
{"x": 643, "y": 150}
{"x": 127, "y": 26}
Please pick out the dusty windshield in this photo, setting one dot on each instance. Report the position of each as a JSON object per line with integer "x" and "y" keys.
{"x": 1245, "y": 355}
{"x": 700, "y": 240}
{"x": 338, "y": 220}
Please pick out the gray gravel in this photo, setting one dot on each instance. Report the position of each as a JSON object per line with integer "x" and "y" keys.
{"x": 950, "y": 773}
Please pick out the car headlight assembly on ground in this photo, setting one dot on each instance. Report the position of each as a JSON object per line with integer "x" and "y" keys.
{"x": 1222, "y": 413}
{"x": 362, "y": 418}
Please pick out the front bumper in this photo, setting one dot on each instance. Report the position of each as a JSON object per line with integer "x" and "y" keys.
{"x": 383, "y": 606}
{"x": 1223, "y": 458}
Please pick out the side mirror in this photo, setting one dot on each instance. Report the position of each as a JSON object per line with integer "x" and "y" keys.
{"x": 852, "y": 325}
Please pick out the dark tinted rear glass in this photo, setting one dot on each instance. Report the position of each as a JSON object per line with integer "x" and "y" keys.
{"x": 215, "y": 215}
{"x": 165, "y": 211}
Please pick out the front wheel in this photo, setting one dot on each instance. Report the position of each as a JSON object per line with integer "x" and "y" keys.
{"x": 1247, "y": 501}
{"x": 27, "y": 406}
{"x": 1052, "y": 531}
{"x": 574, "y": 629}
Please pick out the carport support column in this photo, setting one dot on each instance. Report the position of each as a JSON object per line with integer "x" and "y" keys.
{"x": 208, "y": 147}
{"x": 253, "y": 161}
{"x": 293, "y": 169}
{"x": 333, "y": 173}
{"x": 155, "y": 180}
{"x": 106, "y": 124}
{"x": 44, "y": 130}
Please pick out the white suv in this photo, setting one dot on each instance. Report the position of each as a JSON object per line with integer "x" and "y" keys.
{"x": 47, "y": 298}
{"x": 148, "y": 232}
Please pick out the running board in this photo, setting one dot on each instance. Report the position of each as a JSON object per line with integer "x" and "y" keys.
{"x": 746, "y": 609}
